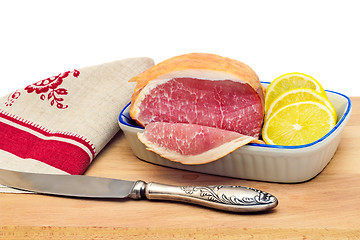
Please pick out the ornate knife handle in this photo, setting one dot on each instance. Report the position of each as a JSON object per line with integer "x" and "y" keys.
{"x": 222, "y": 197}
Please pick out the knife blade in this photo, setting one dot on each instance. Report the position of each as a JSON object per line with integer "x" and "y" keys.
{"x": 222, "y": 197}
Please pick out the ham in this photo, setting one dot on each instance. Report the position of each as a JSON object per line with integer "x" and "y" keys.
{"x": 191, "y": 143}
{"x": 223, "y": 104}
{"x": 200, "y": 92}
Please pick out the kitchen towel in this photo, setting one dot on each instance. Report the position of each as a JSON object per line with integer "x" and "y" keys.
{"x": 58, "y": 125}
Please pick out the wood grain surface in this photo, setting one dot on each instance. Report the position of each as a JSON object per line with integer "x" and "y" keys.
{"x": 324, "y": 207}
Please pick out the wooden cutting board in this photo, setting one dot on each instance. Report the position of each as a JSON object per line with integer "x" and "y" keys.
{"x": 326, "y": 206}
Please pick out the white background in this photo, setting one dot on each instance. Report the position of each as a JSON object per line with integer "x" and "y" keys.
{"x": 39, "y": 39}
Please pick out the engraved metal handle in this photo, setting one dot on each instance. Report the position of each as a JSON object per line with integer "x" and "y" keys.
{"x": 222, "y": 197}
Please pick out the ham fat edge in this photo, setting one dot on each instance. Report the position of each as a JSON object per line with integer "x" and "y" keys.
{"x": 198, "y": 107}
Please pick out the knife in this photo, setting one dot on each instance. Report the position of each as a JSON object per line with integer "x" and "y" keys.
{"x": 221, "y": 197}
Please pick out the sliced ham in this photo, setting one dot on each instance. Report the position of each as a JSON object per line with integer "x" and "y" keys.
{"x": 191, "y": 143}
{"x": 202, "y": 90}
{"x": 223, "y": 104}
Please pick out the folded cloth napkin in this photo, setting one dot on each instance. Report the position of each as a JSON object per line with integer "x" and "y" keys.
{"x": 58, "y": 125}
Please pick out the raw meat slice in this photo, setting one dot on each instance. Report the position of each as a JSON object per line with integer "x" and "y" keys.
{"x": 191, "y": 143}
{"x": 198, "y": 88}
{"x": 224, "y": 104}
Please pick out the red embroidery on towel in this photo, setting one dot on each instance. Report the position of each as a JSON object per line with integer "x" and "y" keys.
{"x": 50, "y": 86}
{"x": 13, "y": 96}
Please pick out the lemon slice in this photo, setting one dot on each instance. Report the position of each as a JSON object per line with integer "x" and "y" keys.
{"x": 298, "y": 123}
{"x": 290, "y": 81}
{"x": 297, "y": 95}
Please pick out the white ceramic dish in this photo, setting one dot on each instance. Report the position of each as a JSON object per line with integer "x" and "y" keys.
{"x": 285, "y": 164}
